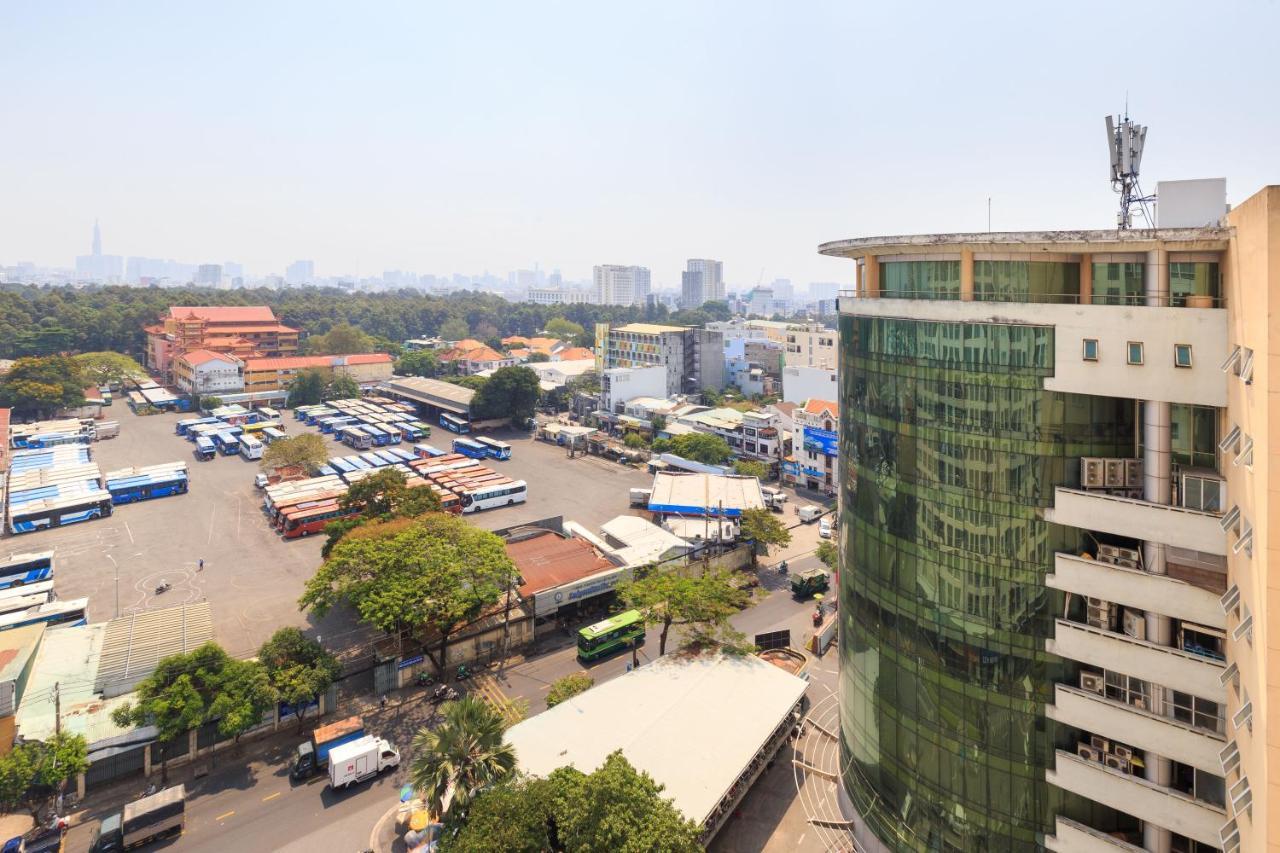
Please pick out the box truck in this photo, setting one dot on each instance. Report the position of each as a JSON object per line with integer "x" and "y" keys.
{"x": 313, "y": 754}
{"x": 354, "y": 762}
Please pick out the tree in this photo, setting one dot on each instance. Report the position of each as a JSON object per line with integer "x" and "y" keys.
{"x": 511, "y": 392}
{"x": 420, "y": 363}
{"x": 435, "y": 572}
{"x": 704, "y": 603}
{"x": 538, "y": 357}
{"x": 587, "y": 383}
{"x": 298, "y": 668}
{"x": 307, "y": 388}
{"x": 244, "y": 695}
{"x": 342, "y": 339}
{"x": 635, "y": 441}
{"x": 829, "y": 554}
{"x": 661, "y": 445}
{"x": 564, "y": 330}
{"x": 514, "y": 817}
{"x": 751, "y": 468}
{"x": 701, "y": 447}
{"x": 568, "y": 687}
{"x": 341, "y": 387}
{"x": 763, "y": 528}
{"x": 33, "y": 771}
{"x": 659, "y": 423}
{"x": 307, "y": 450}
{"x": 454, "y": 330}
{"x": 108, "y": 368}
{"x": 42, "y": 385}
{"x": 381, "y": 496}
{"x": 461, "y": 757}
{"x": 210, "y": 402}
{"x": 180, "y": 694}
{"x": 618, "y": 810}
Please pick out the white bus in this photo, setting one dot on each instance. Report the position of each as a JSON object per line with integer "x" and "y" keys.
{"x": 250, "y": 447}
{"x": 488, "y": 497}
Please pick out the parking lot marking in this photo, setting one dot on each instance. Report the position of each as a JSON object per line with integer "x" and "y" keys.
{"x": 224, "y": 816}
{"x": 271, "y": 796}
{"x": 130, "y": 532}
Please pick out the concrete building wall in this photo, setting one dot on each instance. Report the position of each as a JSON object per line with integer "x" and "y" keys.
{"x": 802, "y": 383}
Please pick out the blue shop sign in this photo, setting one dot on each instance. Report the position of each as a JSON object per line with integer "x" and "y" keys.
{"x": 792, "y": 468}
{"x": 822, "y": 441}
{"x": 287, "y": 710}
{"x": 408, "y": 662}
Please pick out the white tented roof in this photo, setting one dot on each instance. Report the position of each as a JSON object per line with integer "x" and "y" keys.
{"x": 692, "y": 723}
{"x": 699, "y": 494}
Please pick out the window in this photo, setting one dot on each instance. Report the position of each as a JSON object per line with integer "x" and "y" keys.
{"x": 1182, "y": 355}
{"x": 1090, "y": 349}
{"x": 1135, "y": 352}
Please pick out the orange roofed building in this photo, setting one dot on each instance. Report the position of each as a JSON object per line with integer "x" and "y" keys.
{"x": 274, "y": 374}
{"x": 244, "y": 331}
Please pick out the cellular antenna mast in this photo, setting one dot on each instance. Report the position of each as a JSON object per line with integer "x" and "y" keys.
{"x": 1125, "y": 140}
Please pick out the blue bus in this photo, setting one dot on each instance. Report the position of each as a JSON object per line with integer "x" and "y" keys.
{"x": 187, "y": 423}
{"x": 54, "y": 613}
{"x": 453, "y": 423}
{"x": 144, "y": 487}
{"x": 408, "y": 432}
{"x": 342, "y": 466}
{"x": 467, "y": 447}
{"x": 59, "y": 511}
{"x": 358, "y": 463}
{"x": 357, "y": 438}
{"x": 426, "y": 451}
{"x": 22, "y": 569}
{"x": 228, "y": 442}
{"x": 497, "y": 449}
{"x": 205, "y": 448}
{"x": 328, "y": 425}
{"x": 401, "y": 454}
{"x": 380, "y": 436}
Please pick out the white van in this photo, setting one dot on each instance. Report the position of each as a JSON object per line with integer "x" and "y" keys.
{"x": 809, "y": 513}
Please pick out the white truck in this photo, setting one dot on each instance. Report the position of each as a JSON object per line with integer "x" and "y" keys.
{"x": 354, "y": 762}
{"x": 809, "y": 513}
{"x": 640, "y": 497}
{"x": 774, "y": 499}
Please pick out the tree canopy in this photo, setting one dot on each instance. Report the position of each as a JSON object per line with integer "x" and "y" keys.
{"x": 701, "y": 447}
{"x": 41, "y": 385}
{"x": 419, "y": 363}
{"x": 764, "y": 529}
{"x": 829, "y": 554}
{"x": 33, "y": 771}
{"x": 704, "y": 604}
{"x": 306, "y": 449}
{"x": 434, "y": 572}
{"x": 342, "y": 339}
{"x": 455, "y": 330}
{"x": 510, "y": 392}
{"x": 564, "y": 330}
{"x": 108, "y": 368}
{"x": 462, "y": 756}
{"x": 568, "y": 687}
{"x": 751, "y": 468}
{"x": 381, "y": 496}
{"x": 298, "y": 668}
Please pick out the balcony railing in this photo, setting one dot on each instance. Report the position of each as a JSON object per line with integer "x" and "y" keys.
{"x": 1138, "y": 519}
{"x": 1179, "y": 301}
{"x": 1174, "y": 668}
{"x": 1072, "y": 837}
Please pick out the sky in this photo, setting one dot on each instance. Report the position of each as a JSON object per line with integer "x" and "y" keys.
{"x": 465, "y": 137}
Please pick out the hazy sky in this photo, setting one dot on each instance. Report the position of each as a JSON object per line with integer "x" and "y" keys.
{"x": 471, "y": 136}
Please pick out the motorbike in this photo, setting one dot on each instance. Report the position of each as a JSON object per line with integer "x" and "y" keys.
{"x": 425, "y": 679}
{"x": 164, "y": 586}
{"x": 817, "y": 618}
{"x": 444, "y": 693}
{"x": 463, "y": 673}
{"x": 782, "y": 567}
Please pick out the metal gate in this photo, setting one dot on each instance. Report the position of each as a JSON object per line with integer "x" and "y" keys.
{"x": 110, "y": 768}
{"x": 384, "y": 676}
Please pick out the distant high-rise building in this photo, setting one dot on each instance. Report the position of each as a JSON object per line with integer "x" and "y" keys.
{"x": 97, "y": 266}
{"x": 300, "y": 272}
{"x": 209, "y": 274}
{"x": 619, "y": 285}
{"x": 820, "y": 290}
{"x": 97, "y": 239}
{"x": 702, "y": 282}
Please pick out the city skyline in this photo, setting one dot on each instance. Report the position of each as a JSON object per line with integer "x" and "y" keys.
{"x": 411, "y": 154}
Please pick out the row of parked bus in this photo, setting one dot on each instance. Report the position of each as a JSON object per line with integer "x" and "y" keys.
{"x": 27, "y": 596}
{"x": 247, "y": 438}
{"x": 130, "y": 485}
{"x": 303, "y": 507}
{"x": 53, "y": 487}
{"x": 362, "y": 424}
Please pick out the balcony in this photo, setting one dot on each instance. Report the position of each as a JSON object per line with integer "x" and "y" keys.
{"x": 1138, "y": 519}
{"x": 1136, "y": 588}
{"x": 1082, "y": 709}
{"x": 1072, "y": 837}
{"x": 1136, "y": 796}
{"x": 1171, "y": 667}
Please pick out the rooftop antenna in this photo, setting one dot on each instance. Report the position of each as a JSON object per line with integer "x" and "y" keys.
{"x": 1125, "y": 140}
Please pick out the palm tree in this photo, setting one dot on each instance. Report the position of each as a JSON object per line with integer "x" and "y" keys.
{"x": 465, "y": 755}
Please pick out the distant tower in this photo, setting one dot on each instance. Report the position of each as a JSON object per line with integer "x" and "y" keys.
{"x": 97, "y": 239}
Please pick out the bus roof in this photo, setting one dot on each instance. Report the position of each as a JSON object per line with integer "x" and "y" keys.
{"x": 622, "y": 620}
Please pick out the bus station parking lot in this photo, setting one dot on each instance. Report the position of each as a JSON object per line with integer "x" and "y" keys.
{"x": 252, "y": 577}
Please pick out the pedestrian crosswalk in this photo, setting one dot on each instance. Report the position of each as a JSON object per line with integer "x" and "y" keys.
{"x": 487, "y": 688}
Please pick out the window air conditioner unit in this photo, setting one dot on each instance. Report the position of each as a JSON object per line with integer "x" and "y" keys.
{"x": 1094, "y": 682}
{"x": 1231, "y": 440}
{"x": 1244, "y": 716}
{"x": 1245, "y": 542}
{"x": 1087, "y": 752}
{"x": 1115, "y": 762}
{"x": 1229, "y": 756}
{"x": 1092, "y": 475}
{"x": 1231, "y": 674}
{"x": 1231, "y": 359}
{"x": 1100, "y": 743}
{"x": 1241, "y": 797}
{"x": 1123, "y": 751}
{"x": 1245, "y": 629}
{"x": 1135, "y": 624}
{"x": 1115, "y": 473}
{"x": 1230, "y": 599}
{"x": 1231, "y": 519}
{"x": 1245, "y": 456}
{"x": 1246, "y": 367}
{"x": 1229, "y": 835}
{"x": 1133, "y": 473}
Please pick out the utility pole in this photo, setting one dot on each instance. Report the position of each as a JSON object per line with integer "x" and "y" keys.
{"x": 57, "y": 709}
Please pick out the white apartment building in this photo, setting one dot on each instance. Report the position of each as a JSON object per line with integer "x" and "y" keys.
{"x": 203, "y": 371}
{"x": 814, "y": 462}
{"x": 621, "y": 285}
{"x": 620, "y": 385}
{"x": 693, "y": 358}
{"x": 802, "y": 383}
{"x": 557, "y": 296}
{"x": 701, "y": 282}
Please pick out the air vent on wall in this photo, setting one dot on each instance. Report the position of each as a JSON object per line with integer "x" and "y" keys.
{"x": 1241, "y": 797}
{"x": 1229, "y": 756}
{"x": 1232, "y": 440}
{"x": 1244, "y": 716}
{"x": 1231, "y": 674}
{"x": 1230, "y": 599}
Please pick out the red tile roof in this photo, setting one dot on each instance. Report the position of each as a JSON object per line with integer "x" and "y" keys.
{"x": 301, "y": 362}
{"x": 549, "y": 560}
{"x": 224, "y": 314}
{"x": 483, "y": 354}
{"x": 575, "y": 354}
{"x": 814, "y": 406}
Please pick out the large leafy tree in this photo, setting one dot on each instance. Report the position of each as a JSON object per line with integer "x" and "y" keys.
{"x": 458, "y": 759}
{"x": 751, "y": 468}
{"x": 418, "y": 363}
{"x": 103, "y": 368}
{"x": 563, "y": 689}
{"x": 511, "y": 392}
{"x": 298, "y": 668}
{"x": 565, "y": 330}
{"x": 244, "y": 695}
{"x": 514, "y": 817}
{"x": 763, "y": 528}
{"x": 307, "y": 450}
{"x": 435, "y": 572}
{"x": 40, "y": 386}
{"x": 380, "y": 497}
{"x": 307, "y": 388}
{"x": 341, "y": 387}
{"x": 701, "y": 447}
{"x": 33, "y": 771}
{"x": 828, "y": 554}
{"x": 342, "y": 339}
{"x": 454, "y": 330}
{"x": 703, "y": 603}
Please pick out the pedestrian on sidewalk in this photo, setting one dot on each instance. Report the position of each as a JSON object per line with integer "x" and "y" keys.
{"x": 200, "y": 565}
{"x": 382, "y": 703}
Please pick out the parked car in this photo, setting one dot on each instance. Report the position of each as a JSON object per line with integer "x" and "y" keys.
{"x": 260, "y": 481}
{"x": 824, "y": 528}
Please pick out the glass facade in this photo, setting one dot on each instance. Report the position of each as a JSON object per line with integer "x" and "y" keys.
{"x": 951, "y": 451}
{"x": 920, "y": 279}
{"x": 1119, "y": 284}
{"x": 1194, "y": 281}
{"x": 1026, "y": 281}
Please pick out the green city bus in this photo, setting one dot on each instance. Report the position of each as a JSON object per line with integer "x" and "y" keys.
{"x": 610, "y": 635}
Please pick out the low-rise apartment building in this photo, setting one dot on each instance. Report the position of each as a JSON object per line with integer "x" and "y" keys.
{"x": 275, "y": 374}
{"x": 753, "y": 435}
{"x": 204, "y": 371}
{"x": 814, "y": 462}
{"x": 693, "y": 358}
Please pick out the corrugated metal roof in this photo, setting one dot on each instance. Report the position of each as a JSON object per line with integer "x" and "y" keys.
{"x": 135, "y": 644}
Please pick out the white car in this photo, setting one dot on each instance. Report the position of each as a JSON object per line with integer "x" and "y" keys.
{"x": 260, "y": 481}
{"x": 824, "y": 528}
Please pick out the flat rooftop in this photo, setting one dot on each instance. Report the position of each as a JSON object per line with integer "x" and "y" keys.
{"x": 692, "y": 723}
{"x": 1131, "y": 240}
{"x": 433, "y": 392}
{"x": 647, "y": 328}
{"x": 703, "y": 494}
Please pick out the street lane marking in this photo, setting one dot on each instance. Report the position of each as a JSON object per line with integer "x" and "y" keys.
{"x": 271, "y": 796}
{"x": 130, "y": 532}
{"x": 224, "y": 816}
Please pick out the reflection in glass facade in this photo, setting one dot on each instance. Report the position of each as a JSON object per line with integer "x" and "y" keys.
{"x": 1193, "y": 279}
{"x": 1119, "y": 284}
{"x": 952, "y": 450}
{"x": 1026, "y": 281}
{"x": 920, "y": 279}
